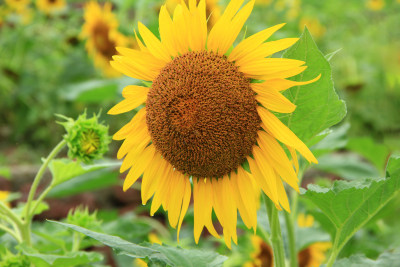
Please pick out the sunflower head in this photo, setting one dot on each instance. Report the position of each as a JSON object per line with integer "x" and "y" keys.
{"x": 101, "y": 31}
{"x": 50, "y": 6}
{"x": 205, "y": 120}
{"x": 87, "y": 139}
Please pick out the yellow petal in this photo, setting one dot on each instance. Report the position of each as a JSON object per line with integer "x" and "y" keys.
{"x": 267, "y": 66}
{"x": 185, "y": 205}
{"x": 162, "y": 190}
{"x": 139, "y": 138}
{"x": 266, "y": 49}
{"x": 176, "y": 198}
{"x": 252, "y": 42}
{"x": 277, "y": 156}
{"x": 272, "y": 100}
{"x": 282, "y": 84}
{"x": 166, "y": 31}
{"x": 283, "y": 73}
{"x": 139, "y": 165}
{"x": 150, "y": 178}
{"x": 137, "y": 122}
{"x": 283, "y": 200}
{"x": 284, "y": 134}
{"x": 153, "y": 44}
{"x": 264, "y": 165}
{"x": 132, "y": 69}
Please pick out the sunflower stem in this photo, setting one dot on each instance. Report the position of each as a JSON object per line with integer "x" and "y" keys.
{"x": 276, "y": 235}
{"x": 292, "y": 239}
{"x": 26, "y": 229}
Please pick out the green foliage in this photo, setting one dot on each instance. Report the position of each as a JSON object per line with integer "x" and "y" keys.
{"x": 387, "y": 259}
{"x": 67, "y": 259}
{"x": 368, "y": 148}
{"x": 156, "y": 254}
{"x": 347, "y": 206}
{"x": 318, "y": 105}
{"x": 66, "y": 169}
{"x": 347, "y": 165}
{"x": 80, "y": 216}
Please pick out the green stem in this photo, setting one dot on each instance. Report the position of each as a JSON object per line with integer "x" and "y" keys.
{"x": 76, "y": 241}
{"x": 40, "y": 199}
{"x": 292, "y": 239}
{"x": 39, "y": 177}
{"x": 13, "y": 218}
{"x": 334, "y": 252}
{"x": 11, "y": 232}
{"x": 276, "y": 235}
{"x": 26, "y": 229}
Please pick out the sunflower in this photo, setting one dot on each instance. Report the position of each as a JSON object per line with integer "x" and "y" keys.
{"x": 213, "y": 10}
{"x": 18, "y": 4}
{"x": 50, "y": 6}
{"x": 206, "y": 120}
{"x": 311, "y": 256}
{"x": 101, "y": 30}
{"x": 375, "y": 5}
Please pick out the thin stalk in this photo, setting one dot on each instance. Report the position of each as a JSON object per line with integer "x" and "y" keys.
{"x": 276, "y": 235}
{"x": 40, "y": 199}
{"x": 11, "y": 232}
{"x": 26, "y": 228}
{"x": 334, "y": 252}
{"x": 292, "y": 239}
{"x": 39, "y": 177}
{"x": 76, "y": 241}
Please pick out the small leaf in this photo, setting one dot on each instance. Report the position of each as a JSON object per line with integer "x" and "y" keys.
{"x": 386, "y": 259}
{"x": 350, "y": 205}
{"x": 336, "y": 139}
{"x": 92, "y": 91}
{"x": 318, "y": 105}
{"x": 157, "y": 255}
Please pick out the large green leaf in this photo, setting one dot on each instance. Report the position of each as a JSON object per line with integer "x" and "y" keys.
{"x": 387, "y": 259}
{"x": 318, "y": 105}
{"x": 349, "y": 205}
{"x": 158, "y": 255}
{"x": 65, "y": 260}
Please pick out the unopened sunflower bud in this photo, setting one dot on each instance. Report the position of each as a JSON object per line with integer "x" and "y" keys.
{"x": 87, "y": 138}
{"x": 82, "y": 217}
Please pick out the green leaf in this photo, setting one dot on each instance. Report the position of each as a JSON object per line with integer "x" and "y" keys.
{"x": 157, "y": 255}
{"x": 386, "y": 259}
{"x": 66, "y": 169}
{"x": 336, "y": 139}
{"x": 5, "y": 172}
{"x": 350, "y": 205}
{"x": 87, "y": 182}
{"x": 306, "y": 236}
{"x": 346, "y": 165}
{"x": 368, "y": 148}
{"x": 92, "y": 91}
{"x": 318, "y": 105}
{"x": 68, "y": 259}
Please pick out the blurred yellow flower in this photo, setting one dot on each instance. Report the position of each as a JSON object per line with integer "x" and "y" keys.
{"x": 139, "y": 263}
{"x": 101, "y": 31}
{"x": 153, "y": 238}
{"x": 376, "y": 5}
{"x": 17, "y": 4}
{"x": 312, "y": 256}
{"x": 314, "y": 26}
{"x": 3, "y": 197}
{"x": 213, "y": 10}
{"x": 50, "y": 6}
{"x": 305, "y": 220}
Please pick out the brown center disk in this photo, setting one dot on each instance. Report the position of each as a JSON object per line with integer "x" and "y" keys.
{"x": 201, "y": 114}
{"x": 102, "y": 41}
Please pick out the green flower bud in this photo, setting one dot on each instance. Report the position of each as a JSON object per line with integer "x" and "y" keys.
{"x": 87, "y": 139}
{"x": 80, "y": 216}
